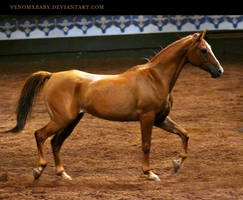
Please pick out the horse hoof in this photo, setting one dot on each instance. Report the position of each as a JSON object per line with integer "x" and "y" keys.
{"x": 36, "y": 173}
{"x": 153, "y": 177}
{"x": 65, "y": 176}
{"x": 176, "y": 165}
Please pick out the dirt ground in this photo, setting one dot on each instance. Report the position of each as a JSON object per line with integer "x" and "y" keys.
{"x": 104, "y": 157}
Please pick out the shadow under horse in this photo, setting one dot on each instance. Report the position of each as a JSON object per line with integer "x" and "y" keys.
{"x": 142, "y": 93}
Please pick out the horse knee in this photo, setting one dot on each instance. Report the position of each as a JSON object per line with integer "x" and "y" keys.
{"x": 183, "y": 134}
{"x": 186, "y": 138}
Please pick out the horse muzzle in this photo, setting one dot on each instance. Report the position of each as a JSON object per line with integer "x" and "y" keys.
{"x": 216, "y": 71}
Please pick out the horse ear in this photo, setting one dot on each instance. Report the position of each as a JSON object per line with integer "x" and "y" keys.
{"x": 202, "y": 35}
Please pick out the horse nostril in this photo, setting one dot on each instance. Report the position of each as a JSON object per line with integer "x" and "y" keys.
{"x": 220, "y": 71}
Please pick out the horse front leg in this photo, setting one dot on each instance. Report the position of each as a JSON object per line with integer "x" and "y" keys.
{"x": 146, "y": 122}
{"x": 171, "y": 126}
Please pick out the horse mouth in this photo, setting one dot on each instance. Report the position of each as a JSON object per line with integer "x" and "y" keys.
{"x": 217, "y": 73}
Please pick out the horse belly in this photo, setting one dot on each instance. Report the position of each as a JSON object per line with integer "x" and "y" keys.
{"x": 116, "y": 104}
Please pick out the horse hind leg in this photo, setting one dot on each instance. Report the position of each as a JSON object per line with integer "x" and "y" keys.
{"x": 57, "y": 142}
{"x": 41, "y": 135}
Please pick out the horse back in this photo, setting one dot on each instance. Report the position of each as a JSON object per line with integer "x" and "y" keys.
{"x": 106, "y": 96}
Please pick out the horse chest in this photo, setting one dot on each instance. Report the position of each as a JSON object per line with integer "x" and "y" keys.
{"x": 164, "y": 106}
{"x": 151, "y": 103}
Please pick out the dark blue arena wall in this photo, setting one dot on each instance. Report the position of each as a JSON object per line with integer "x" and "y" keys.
{"x": 47, "y": 37}
{"x": 140, "y": 45}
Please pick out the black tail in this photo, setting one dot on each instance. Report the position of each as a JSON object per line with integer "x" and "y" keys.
{"x": 31, "y": 88}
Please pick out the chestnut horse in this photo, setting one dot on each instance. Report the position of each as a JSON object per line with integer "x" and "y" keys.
{"x": 142, "y": 93}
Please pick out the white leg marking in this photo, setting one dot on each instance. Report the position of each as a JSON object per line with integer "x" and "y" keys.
{"x": 66, "y": 176}
{"x": 153, "y": 177}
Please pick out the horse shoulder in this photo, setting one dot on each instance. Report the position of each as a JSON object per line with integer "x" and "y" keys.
{"x": 151, "y": 92}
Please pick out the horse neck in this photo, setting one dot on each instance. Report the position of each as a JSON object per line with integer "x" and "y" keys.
{"x": 170, "y": 61}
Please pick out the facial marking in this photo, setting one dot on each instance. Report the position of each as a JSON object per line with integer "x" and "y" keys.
{"x": 211, "y": 52}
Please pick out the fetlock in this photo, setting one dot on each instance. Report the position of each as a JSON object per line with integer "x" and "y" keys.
{"x": 183, "y": 156}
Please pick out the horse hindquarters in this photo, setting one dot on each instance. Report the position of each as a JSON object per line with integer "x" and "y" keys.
{"x": 61, "y": 100}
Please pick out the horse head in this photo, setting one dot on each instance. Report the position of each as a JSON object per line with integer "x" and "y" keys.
{"x": 200, "y": 54}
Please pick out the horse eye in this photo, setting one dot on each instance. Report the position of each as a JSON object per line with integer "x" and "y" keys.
{"x": 204, "y": 51}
